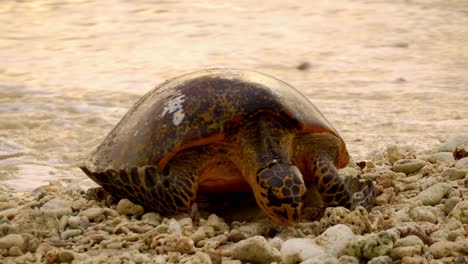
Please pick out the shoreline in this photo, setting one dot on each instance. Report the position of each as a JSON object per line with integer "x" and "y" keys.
{"x": 420, "y": 216}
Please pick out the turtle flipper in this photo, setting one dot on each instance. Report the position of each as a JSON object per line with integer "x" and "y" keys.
{"x": 331, "y": 185}
{"x": 166, "y": 192}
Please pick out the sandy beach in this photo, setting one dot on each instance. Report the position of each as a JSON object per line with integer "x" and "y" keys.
{"x": 391, "y": 78}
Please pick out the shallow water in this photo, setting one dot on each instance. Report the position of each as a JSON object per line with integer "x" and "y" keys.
{"x": 382, "y": 72}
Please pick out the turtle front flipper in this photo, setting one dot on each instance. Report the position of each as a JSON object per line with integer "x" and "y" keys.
{"x": 169, "y": 191}
{"x": 330, "y": 185}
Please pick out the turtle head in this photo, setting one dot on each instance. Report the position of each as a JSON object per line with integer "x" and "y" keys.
{"x": 280, "y": 191}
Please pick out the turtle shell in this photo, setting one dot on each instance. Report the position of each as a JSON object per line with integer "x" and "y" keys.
{"x": 202, "y": 108}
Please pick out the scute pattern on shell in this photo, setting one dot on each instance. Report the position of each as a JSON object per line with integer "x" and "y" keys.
{"x": 209, "y": 105}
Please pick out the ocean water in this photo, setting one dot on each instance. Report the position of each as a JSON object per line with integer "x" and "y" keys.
{"x": 383, "y": 72}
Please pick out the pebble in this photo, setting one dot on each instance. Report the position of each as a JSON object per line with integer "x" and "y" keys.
{"x": 66, "y": 256}
{"x": 452, "y": 143}
{"x": 427, "y": 214}
{"x": 125, "y": 206}
{"x": 59, "y": 207}
{"x": 92, "y": 213}
{"x": 357, "y": 219}
{"x": 199, "y": 258}
{"x": 407, "y": 247}
{"x": 41, "y": 224}
{"x": 455, "y": 174}
{"x": 408, "y": 166}
{"x": 381, "y": 260}
{"x": 217, "y": 223}
{"x": 70, "y": 233}
{"x": 448, "y": 248}
{"x": 440, "y": 156}
{"x": 433, "y": 194}
{"x": 330, "y": 244}
{"x": 12, "y": 240}
{"x": 78, "y": 222}
{"x": 374, "y": 244}
{"x": 255, "y": 249}
{"x": 450, "y": 203}
{"x": 462, "y": 164}
{"x": 460, "y": 212}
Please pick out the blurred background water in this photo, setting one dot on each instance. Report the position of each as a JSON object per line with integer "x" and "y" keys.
{"x": 383, "y": 72}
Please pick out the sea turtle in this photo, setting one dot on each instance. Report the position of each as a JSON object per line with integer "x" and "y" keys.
{"x": 222, "y": 130}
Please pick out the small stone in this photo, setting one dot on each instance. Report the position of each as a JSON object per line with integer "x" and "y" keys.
{"x": 31, "y": 243}
{"x": 408, "y": 166}
{"x": 413, "y": 260}
{"x": 450, "y": 203}
{"x": 12, "y": 240}
{"x": 462, "y": 163}
{"x": 455, "y": 174}
{"x": 304, "y": 66}
{"x": 373, "y": 245}
{"x": 381, "y": 260}
{"x": 255, "y": 249}
{"x": 92, "y": 213}
{"x": 254, "y": 229}
{"x": 460, "y": 212}
{"x": 41, "y": 224}
{"x": 202, "y": 232}
{"x": 407, "y": 247}
{"x": 152, "y": 218}
{"x": 297, "y": 250}
{"x": 447, "y": 248}
{"x": 345, "y": 259}
{"x": 393, "y": 154}
{"x": 66, "y": 256}
{"x": 348, "y": 172}
{"x": 335, "y": 240}
{"x": 440, "y": 156}
{"x": 78, "y": 222}
{"x": 199, "y": 258}
{"x": 452, "y": 143}
{"x": 125, "y": 206}
{"x": 433, "y": 194}
{"x": 357, "y": 220}
{"x": 70, "y": 233}
{"x": 15, "y": 251}
{"x": 424, "y": 214}
{"x": 217, "y": 223}
{"x": 60, "y": 207}
{"x": 386, "y": 197}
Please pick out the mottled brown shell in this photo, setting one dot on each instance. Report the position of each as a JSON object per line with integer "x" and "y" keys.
{"x": 202, "y": 108}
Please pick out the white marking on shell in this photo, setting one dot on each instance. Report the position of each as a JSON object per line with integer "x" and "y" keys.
{"x": 174, "y": 106}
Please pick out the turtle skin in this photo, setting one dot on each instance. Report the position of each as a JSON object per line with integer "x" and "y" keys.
{"x": 222, "y": 130}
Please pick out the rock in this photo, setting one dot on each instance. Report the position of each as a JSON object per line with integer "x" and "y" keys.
{"x": 41, "y": 224}
{"x": 152, "y": 218}
{"x": 408, "y": 166}
{"x": 31, "y": 243}
{"x": 77, "y": 222}
{"x": 433, "y": 194}
{"x": 330, "y": 245}
{"x": 125, "y": 206}
{"x": 92, "y": 213}
{"x": 407, "y": 247}
{"x": 217, "y": 223}
{"x": 450, "y": 203}
{"x": 59, "y": 207}
{"x": 345, "y": 259}
{"x": 348, "y": 172}
{"x": 335, "y": 240}
{"x": 297, "y": 250}
{"x": 66, "y": 256}
{"x": 446, "y": 248}
{"x": 254, "y": 229}
{"x": 460, "y": 212}
{"x": 440, "y": 156}
{"x": 393, "y": 154}
{"x": 199, "y": 258}
{"x": 202, "y": 232}
{"x": 357, "y": 220}
{"x": 374, "y": 244}
{"x": 70, "y": 233}
{"x": 462, "y": 163}
{"x": 12, "y": 240}
{"x": 255, "y": 249}
{"x": 386, "y": 197}
{"x": 452, "y": 143}
{"x": 6, "y": 229}
{"x": 321, "y": 260}
{"x": 15, "y": 251}
{"x": 455, "y": 174}
{"x": 428, "y": 214}
{"x": 381, "y": 260}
